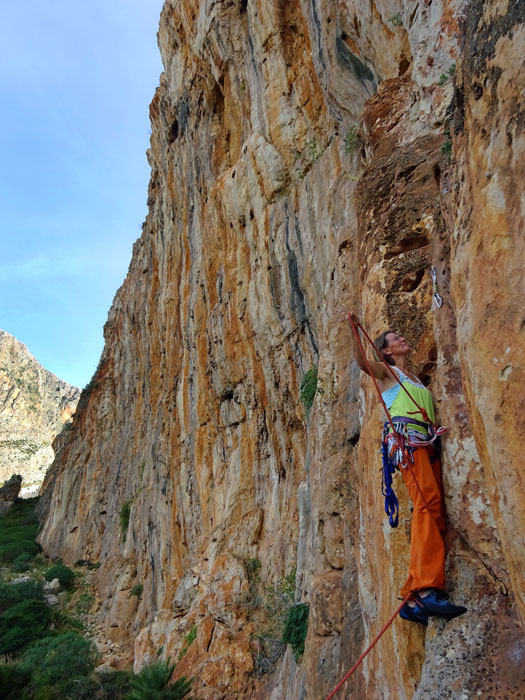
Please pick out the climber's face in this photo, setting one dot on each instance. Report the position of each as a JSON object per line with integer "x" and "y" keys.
{"x": 397, "y": 345}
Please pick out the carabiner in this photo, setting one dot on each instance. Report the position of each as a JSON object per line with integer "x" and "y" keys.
{"x": 438, "y": 300}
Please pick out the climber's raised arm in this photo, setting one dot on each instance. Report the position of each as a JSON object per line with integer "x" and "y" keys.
{"x": 378, "y": 368}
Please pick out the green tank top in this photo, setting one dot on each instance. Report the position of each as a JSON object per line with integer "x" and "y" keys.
{"x": 403, "y": 406}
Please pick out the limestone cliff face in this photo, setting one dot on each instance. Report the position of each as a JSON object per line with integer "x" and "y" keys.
{"x": 307, "y": 158}
{"x": 34, "y": 407}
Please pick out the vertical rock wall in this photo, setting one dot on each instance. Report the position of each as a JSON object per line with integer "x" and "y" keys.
{"x": 310, "y": 157}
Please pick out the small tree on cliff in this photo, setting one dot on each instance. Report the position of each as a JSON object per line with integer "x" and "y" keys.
{"x": 152, "y": 684}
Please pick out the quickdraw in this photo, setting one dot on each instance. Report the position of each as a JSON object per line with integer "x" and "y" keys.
{"x": 438, "y": 300}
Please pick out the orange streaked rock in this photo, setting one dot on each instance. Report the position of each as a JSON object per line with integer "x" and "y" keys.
{"x": 300, "y": 168}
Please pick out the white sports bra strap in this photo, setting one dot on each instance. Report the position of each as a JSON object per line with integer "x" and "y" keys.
{"x": 404, "y": 377}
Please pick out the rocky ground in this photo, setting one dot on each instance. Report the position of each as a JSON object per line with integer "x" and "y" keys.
{"x": 78, "y": 604}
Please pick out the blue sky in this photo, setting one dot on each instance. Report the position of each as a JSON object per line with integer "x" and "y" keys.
{"x": 76, "y": 80}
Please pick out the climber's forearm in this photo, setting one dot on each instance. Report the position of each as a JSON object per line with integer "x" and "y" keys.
{"x": 377, "y": 368}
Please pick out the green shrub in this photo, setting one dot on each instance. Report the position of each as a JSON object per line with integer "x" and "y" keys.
{"x": 296, "y": 627}
{"x": 21, "y": 513}
{"x": 397, "y": 20}
{"x": 152, "y": 683}
{"x": 18, "y": 530}
{"x": 67, "y": 623}
{"x": 188, "y": 641}
{"x": 22, "y": 563}
{"x": 288, "y": 584}
{"x": 56, "y": 661}
{"x": 125, "y": 512}
{"x": 87, "y": 563}
{"x": 114, "y": 684}
{"x": 136, "y": 590}
{"x": 13, "y": 593}
{"x": 276, "y": 601}
{"x": 253, "y": 567}
{"x": 82, "y": 562}
{"x": 23, "y": 623}
{"x": 351, "y": 140}
{"x": 13, "y": 679}
{"x": 110, "y": 685}
{"x": 446, "y": 149}
{"x": 18, "y": 541}
{"x": 191, "y": 636}
{"x": 82, "y": 688}
{"x": 63, "y": 573}
{"x": 308, "y": 388}
{"x": 314, "y": 151}
{"x": 279, "y": 599}
{"x": 84, "y": 603}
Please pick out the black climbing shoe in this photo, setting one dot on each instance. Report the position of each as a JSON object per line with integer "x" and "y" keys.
{"x": 413, "y": 614}
{"x": 437, "y": 604}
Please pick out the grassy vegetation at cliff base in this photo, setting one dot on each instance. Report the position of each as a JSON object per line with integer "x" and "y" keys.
{"x": 48, "y": 657}
{"x": 18, "y": 531}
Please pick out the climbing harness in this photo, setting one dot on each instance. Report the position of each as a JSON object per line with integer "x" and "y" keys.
{"x": 438, "y": 300}
{"x": 400, "y": 443}
{"x": 395, "y": 457}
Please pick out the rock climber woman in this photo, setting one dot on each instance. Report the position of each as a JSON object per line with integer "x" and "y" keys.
{"x": 426, "y": 579}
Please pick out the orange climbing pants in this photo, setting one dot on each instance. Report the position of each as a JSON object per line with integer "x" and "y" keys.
{"x": 427, "y": 547}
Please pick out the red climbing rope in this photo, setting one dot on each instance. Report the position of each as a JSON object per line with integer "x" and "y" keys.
{"x": 369, "y": 649}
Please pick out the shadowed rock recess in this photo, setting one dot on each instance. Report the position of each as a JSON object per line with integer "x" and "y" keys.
{"x": 310, "y": 157}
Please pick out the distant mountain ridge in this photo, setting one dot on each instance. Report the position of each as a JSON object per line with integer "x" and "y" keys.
{"x": 34, "y": 407}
